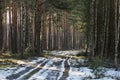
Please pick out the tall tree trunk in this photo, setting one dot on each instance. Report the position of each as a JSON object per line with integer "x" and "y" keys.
{"x": 117, "y": 30}
{"x": 44, "y": 45}
{"x": 14, "y": 27}
{"x": 5, "y": 32}
{"x": 111, "y": 30}
{"x": 1, "y": 26}
{"x": 10, "y": 26}
{"x": 19, "y": 29}
{"x": 65, "y": 43}
{"x": 27, "y": 25}
{"x": 37, "y": 31}
{"x": 24, "y": 19}
{"x": 106, "y": 28}
{"x": 50, "y": 37}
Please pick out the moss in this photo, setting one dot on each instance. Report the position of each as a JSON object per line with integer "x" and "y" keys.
{"x": 96, "y": 62}
{"x": 82, "y": 54}
{"x": 4, "y": 63}
{"x": 29, "y": 51}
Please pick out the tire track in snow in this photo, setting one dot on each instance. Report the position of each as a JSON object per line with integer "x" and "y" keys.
{"x": 53, "y": 70}
{"x": 79, "y": 73}
{"x": 24, "y": 76}
{"x": 66, "y": 71}
{"x": 56, "y": 70}
{"x": 36, "y": 70}
{"x": 26, "y": 69}
{"x": 62, "y": 70}
{"x": 40, "y": 72}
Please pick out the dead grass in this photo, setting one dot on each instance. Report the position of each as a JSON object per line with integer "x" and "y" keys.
{"x": 64, "y": 56}
{"x": 5, "y": 55}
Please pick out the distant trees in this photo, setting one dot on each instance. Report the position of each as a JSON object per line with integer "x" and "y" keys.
{"x": 14, "y": 27}
{"x": 40, "y": 25}
{"x": 61, "y": 25}
{"x": 1, "y": 25}
{"x": 37, "y": 27}
{"x": 105, "y": 30}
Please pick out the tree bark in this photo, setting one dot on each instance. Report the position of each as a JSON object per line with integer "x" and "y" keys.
{"x": 14, "y": 27}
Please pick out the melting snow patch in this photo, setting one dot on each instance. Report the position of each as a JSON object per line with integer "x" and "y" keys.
{"x": 105, "y": 78}
{"x": 4, "y": 74}
{"x": 39, "y": 77}
{"x": 35, "y": 61}
{"x": 23, "y": 76}
{"x": 62, "y": 70}
{"x": 19, "y": 70}
{"x": 43, "y": 70}
{"x": 112, "y": 73}
{"x": 79, "y": 73}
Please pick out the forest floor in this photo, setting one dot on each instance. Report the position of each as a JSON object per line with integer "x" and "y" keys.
{"x": 57, "y": 65}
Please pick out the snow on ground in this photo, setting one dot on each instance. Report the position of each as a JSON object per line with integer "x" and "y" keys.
{"x": 38, "y": 75}
{"x": 19, "y": 70}
{"x": 62, "y": 70}
{"x": 49, "y": 69}
{"x": 79, "y": 73}
{"x": 23, "y": 76}
{"x": 9, "y": 71}
{"x": 4, "y": 74}
{"x": 32, "y": 62}
{"x": 105, "y": 78}
{"x": 55, "y": 68}
{"x": 112, "y": 73}
{"x": 70, "y": 52}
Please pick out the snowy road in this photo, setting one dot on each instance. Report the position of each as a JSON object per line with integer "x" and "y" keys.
{"x": 55, "y": 69}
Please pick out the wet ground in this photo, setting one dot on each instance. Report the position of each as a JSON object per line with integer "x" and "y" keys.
{"x": 53, "y": 68}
